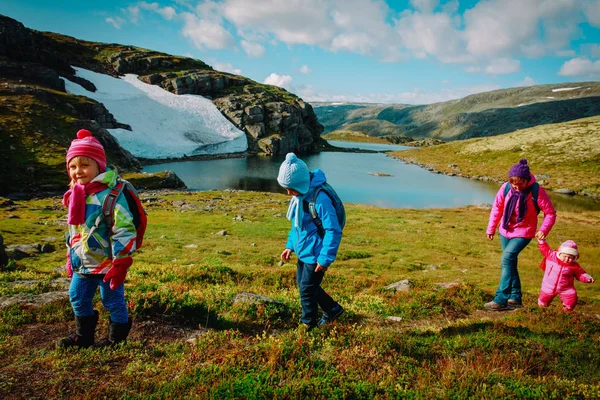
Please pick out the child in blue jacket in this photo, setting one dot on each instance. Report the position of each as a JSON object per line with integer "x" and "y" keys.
{"x": 315, "y": 253}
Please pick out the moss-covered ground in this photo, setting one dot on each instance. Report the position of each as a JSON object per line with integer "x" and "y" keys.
{"x": 442, "y": 344}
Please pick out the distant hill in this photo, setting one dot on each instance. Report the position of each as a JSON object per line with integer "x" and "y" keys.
{"x": 483, "y": 114}
{"x": 564, "y": 157}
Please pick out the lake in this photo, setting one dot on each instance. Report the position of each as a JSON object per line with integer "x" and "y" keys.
{"x": 353, "y": 177}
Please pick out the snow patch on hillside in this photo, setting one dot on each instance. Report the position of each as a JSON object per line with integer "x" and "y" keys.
{"x": 163, "y": 124}
{"x": 565, "y": 89}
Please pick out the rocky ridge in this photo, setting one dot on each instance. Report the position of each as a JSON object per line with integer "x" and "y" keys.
{"x": 32, "y": 64}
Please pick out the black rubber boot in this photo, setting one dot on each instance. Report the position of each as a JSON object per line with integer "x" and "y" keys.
{"x": 117, "y": 333}
{"x": 85, "y": 330}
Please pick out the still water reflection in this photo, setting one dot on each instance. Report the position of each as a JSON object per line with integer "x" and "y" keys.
{"x": 354, "y": 176}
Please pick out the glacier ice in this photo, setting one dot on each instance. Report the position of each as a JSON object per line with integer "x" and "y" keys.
{"x": 164, "y": 125}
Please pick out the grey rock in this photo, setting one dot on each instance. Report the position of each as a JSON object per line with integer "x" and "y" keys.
{"x": 400, "y": 286}
{"x": 33, "y": 300}
{"x": 447, "y": 285}
{"x": 394, "y": 319}
{"x": 247, "y": 297}
{"x": 566, "y": 191}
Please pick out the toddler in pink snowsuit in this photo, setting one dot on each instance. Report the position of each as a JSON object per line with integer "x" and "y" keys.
{"x": 560, "y": 268}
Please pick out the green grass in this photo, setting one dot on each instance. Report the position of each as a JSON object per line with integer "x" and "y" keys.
{"x": 445, "y": 345}
{"x": 563, "y": 155}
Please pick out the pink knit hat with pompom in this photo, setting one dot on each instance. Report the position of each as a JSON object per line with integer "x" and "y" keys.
{"x": 88, "y": 146}
{"x": 569, "y": 247}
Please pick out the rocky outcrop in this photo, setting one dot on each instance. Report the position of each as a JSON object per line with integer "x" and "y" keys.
{"x": 274, "y": 120}
{"x": 121, "y": 158}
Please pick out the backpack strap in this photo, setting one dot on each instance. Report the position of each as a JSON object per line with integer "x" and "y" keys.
{"x": 108, "y": 208}
{"x": 535, "y": 190}
{"x": 314, "y": 215}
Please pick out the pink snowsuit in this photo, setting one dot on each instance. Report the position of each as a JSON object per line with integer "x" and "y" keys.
{"x": 558, "y": 278}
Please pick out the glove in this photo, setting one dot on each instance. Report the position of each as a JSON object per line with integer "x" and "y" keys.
{"x": 117, "y": 273}
{"x": 68, "y": 266}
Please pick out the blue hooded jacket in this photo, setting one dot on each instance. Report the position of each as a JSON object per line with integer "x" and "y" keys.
{"x": 305, "y": 240}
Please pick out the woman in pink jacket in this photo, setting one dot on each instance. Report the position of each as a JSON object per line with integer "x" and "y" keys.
{"x": 560, "y": 269}
{"x": 516, "y": 210}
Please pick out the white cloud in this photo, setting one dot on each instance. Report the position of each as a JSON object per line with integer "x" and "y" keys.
{"x": 305, "y": 70}
{"x": 533, "y": 50}
{"x": 206, "y": 34}
{"x": 294, "y": 22}
{"x": 592, "y": 12}
{"x": 226, "y": 67}
{"x": 528, "y": 81}
{"x": 503, "y": 66}
{"x": 117, "y": 22}
{"x": 278, "y": 80}
{"x": 425, "y": 6}
{"x": 167, "y": 12}
{"x": 566, "y": 53}
{"x": 353, "y": 42}
{"x": 429, "y": 34}
{"x": 134, "y": 14}
{"x": 253, "y": 49}
{"x": 499, "y": 28}
{"x": 581, "y": 66}
{"x": 594, "y": 50}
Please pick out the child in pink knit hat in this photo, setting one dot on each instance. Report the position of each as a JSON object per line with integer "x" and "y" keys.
{"x": 99, "y": 253}
{"x": 560, "y": 269}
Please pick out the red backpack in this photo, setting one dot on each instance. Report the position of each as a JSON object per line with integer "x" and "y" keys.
{"x": 140, "y": 220}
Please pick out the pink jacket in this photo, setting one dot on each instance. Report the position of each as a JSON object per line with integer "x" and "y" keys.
{"x": 558, "y": 276}
{"x": 528, "y": 227}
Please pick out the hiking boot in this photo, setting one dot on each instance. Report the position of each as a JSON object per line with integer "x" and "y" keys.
{"x": 328, "y": 318}
{"x": 514, "y": 304}
{"x": 493, "y": 306}
{"x": 117, "y": 333}
{"x": 85, "y": 330}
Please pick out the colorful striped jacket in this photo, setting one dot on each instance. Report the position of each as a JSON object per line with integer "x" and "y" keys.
{"x": 88, "y": 244}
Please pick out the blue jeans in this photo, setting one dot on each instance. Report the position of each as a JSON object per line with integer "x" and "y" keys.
{"x": 312, "y": 295}
{"x": 81, "y": 293}
{"x": 510, "y": 283}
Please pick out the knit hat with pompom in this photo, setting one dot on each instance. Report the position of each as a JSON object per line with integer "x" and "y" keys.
{"x": 88, "y": 146}
{"x": 293, "y": 174}
{"x": 520, "y": 170}
{"x": 569, "y": 247}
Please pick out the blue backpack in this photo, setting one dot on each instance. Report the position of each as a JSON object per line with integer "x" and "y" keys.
{"x": 535, "y": 189}
{"x": 337, "y": 204}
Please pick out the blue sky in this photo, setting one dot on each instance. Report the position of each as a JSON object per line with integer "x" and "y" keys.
{"x": 413, "y": 51}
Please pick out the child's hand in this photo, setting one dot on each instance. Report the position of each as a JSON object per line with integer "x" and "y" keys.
{"x": 69, "y": 267}
{"x": 588, "y": 278}
{"x": 286, "y": 254}
{"x": 117, "y": 273}
{"x": 540, "y": 235}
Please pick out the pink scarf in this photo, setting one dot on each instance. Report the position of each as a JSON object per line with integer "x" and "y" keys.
{"x": 74, "y": 199}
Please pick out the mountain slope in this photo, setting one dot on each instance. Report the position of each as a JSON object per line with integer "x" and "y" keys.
{"x": 483, "y": 114}
{"x": 39, "y": 118}
{"x": 562, "y": 156}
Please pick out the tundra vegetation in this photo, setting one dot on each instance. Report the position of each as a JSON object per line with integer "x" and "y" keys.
{"x": 563, "y": 156}
{"x": 194, "y": 336}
